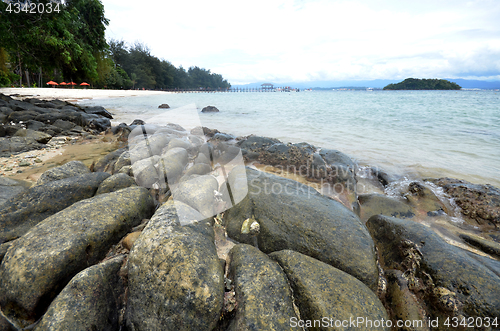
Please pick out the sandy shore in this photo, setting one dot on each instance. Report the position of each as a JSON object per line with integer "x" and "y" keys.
{"x": 69, "y": 94}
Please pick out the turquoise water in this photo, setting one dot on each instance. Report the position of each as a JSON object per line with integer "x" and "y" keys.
{"x": 410, "y": 133}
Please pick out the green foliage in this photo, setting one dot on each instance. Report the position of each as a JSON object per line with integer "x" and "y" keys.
{"x": 423, "y": 84}
{"x": 70, "y": 45}
{"x": 149, "y": 72}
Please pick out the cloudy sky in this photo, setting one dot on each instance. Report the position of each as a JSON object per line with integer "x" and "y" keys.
{"x": 317, "y": 40}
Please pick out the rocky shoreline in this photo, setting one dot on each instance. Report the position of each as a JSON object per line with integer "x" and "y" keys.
{"x": 201, "y": 230}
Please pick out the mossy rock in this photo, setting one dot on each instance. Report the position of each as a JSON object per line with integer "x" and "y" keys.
{"x": 321, "y": 290}
{"x": 39, "y": 264}
{"x": 294, "y": 216}
{"x": 90, "y": 301}
{"x": 175, "y": 279}
{"x": 264, "y": 298}
{"x": 379, "y": 204}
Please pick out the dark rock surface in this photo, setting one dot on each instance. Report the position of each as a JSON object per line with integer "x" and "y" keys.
{"x": 164, "y": 106}
{"x": 263, "y": 295}
{"x": 449, "y": 280}
{"x": 90, "y": 301}
{"x": 69, "y": 169}
{"x": 321, "y": 290}
{"x": 375, "y": 204}
{"x": 176, "y": 281}
{"x": 22, "y": 212}
{"x": 39, "y": 264}
{"x": 479, "y": 203}
{"x": 294, "y": 216}
{"x": 9, "y": 188}
{"x": 210, "y": 109}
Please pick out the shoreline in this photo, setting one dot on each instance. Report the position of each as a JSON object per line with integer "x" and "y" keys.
{"x": 66, "y": 94}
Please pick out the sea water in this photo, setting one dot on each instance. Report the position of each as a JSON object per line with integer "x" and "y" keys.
{"x": 407, "y": 133}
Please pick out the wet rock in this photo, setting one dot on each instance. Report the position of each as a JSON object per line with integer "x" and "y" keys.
{"x": 403, "y": 304}
{"x": 321, "y": 290}
{"x": 263, "y": 296}
{"x": 421, "y": 197}
{"x": 115, "y": 183}
{"x": 479, "y": 203}
{"x": 223, "y": 136}
{"x": 432, "y": 265}
{"x": 210, "y": 109}
{"x": 39, "y": 264}
{"x": 483, "y": 244}
{"x": 69, "y": 169}
{"x": 375, "y": 204}
{"x": 21, "y": 213}
{"x": 292, "y": 157}
{"x": 294, "y": 216}
{"x": 164, "y": 106}
{"x": 176, "y": 281}
{"x": 90, "y": 301}
{"x": 198, "y": 192}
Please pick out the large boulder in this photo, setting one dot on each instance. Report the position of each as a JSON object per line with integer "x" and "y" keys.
{"x": 175, "y": 279}
{"x": 14, "y": 145}
{"x": 90, "y": 301}
{"x": 452, "y": 280}
{"x": 291, "y": 215}
{"x": 263, "y": 296}
{"x": 330, "y": 296}
{"x": 39, "y": 264}
{"x": 69, "y": 169}
{"x": 39, "y": 137}
{"x": 21, "y": 213}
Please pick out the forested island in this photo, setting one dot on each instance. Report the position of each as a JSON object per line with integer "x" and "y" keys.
{"x": 423, "y": 84}
{"x": 68, "y": 44}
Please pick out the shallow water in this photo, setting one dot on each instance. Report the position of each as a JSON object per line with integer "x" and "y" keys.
{"x": 409, "y": 133}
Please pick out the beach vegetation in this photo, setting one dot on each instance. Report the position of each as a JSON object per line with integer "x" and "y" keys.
{"x": 423, "y": 84}
{"x": 70, "y": 45}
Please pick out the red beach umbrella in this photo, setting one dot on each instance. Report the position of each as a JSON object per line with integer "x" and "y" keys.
{"x": 63, "y": 83}
{"x": 52, "y": 83}
{"x": 72, "y": 84}
{"x": 85, "y": 85}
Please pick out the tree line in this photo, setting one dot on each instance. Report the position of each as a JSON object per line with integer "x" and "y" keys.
{"x": 423, "y": 84}
{"x": 70, "y": 45}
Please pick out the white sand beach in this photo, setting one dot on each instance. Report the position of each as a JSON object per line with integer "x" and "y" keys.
{"x": 69, "y": 94}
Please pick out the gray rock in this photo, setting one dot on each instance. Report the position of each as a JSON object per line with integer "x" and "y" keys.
{"x": 64, "y": 125}
{"x": 16, "y": 145}
{"x": 175, "y": 279}
{"x": 115, "y": 183}
{"x": 122, "y": 161}
{"x": 256, "y": 144}
{"x": 34, "y": 125}
{"x": 147, "y": 172}
{"x": 39, "y": 264}
{"x": 321, "y": 290}
{"x": 21, "y": 213}
{"x": 10, "y": 188}
{"x": 69, "y": 169}
{"x": 24, "y": 116}
{"x": 375, "y": 204}
{"x": 198, "y": 169}
{"x": 210, "y": 109}
{"x": 263, "y": 295}
{"x": 98, "y": 110}
{"x": 164, "y": 105}
{"x": 90, "y": 301}
{"x": 294, "y": 216}
{"x": 457, "y": 283}
{"x": 197, "y": 192}
{"x": 176, "y": 142}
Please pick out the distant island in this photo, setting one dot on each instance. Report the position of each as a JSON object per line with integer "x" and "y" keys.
{"x": 423, "y": 84}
